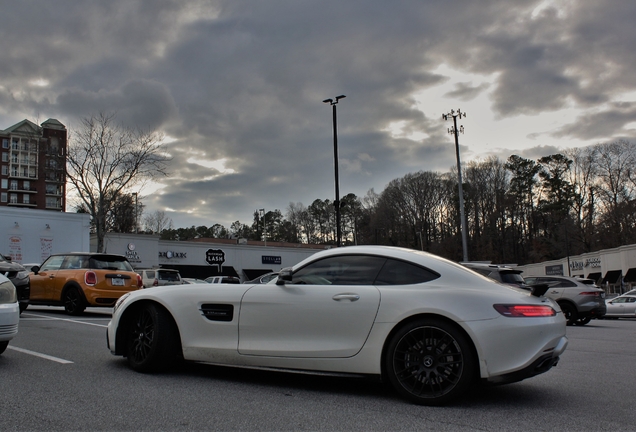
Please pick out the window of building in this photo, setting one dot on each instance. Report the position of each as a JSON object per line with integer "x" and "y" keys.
{"x": 52, "y": 202}
{"x": 26, "y": 185}
{"x": 5, "y": 157}
{"x": 5, "y": 170}
{"x": 3, "y": 197}
{"x": 5, "y": 143}
{"x": 13, "y": 198}
{"x": 25, "y": 198}
{"x": 4, "y": 183}
{"x": 14, "y": 185}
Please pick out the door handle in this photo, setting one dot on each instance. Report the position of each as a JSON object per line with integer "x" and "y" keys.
{"x": 348, "y": 296}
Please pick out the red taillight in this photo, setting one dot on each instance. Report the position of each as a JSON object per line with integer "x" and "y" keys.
{"x": 524, "y": 311}
{"x": 591, "y": 293}
{"x": 155, "y": 283}
{"x": 90, "y": 278}
{"x": 140, "y": 281}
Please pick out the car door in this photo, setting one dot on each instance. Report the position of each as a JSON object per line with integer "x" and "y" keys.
{"x": 327, "y": 311}
{"x": 43, "y": 283}
{"x": 556, "y": 286}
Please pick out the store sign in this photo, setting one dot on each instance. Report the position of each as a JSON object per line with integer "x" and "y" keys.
{"x": 576, "y": 265}
{"x": 267, "y": 259}
{"x": 554, "y": 270}
{"x": 172, "y": 254}
{"x": 593, "y": 262}
{"x": 215, "y": 257}
{"x": 131, "y": 253}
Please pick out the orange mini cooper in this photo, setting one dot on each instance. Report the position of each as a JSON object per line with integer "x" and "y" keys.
{"x": 78, "y": 280}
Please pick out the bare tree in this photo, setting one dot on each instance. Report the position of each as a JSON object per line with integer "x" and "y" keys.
{"x": 157, "y": 221}
{"x": 105, "y": 160}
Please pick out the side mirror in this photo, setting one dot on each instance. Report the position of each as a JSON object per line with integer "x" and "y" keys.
{"x": 285, "y": 275}
{"x": 35, "y": 269}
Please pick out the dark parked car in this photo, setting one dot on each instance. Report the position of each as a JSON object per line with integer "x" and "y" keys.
{"x": 19, "y": 276}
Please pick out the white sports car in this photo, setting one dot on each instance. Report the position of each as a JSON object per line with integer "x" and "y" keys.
{"x": 9, "y": 312}
{"x": 427, "y": 325}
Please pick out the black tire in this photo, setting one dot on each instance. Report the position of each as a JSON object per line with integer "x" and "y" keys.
{"x": 23, "y": 307}
{"x": 153, "y": 341}
{"x": 73, "y": 301}
{"x": 3, "y": 346}
{"x": 430, "y": 362}
{"x": 569, "y": 312}
{"x": 583, "y": 321}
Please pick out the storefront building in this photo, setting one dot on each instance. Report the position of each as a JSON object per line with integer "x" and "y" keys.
{"x": 613, "y": 269}
{"x": 206, "y": 257}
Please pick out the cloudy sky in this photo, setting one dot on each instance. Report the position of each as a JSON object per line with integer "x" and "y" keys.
{"x": 237, "y": 87}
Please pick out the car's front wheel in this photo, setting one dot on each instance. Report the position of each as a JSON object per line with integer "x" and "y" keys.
{"x": 430, "y": 362}
{"x": 153, "y": 341}
{"x": 73, "y": 301}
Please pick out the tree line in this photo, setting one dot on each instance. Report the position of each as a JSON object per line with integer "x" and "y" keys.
{"x": 518, "y": 210}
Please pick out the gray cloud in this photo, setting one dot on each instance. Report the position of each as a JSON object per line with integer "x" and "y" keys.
{"x": 243, "y": 81}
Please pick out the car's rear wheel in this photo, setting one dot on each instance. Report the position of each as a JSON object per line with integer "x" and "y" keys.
{"x": 153, "y": 341}
{"x": 3, "y": 346}
{"x": 583, "y": 321}
{"x": 73, "y": 301}
{"x": 430, "y": 362}
{"x": 569, "y": 312}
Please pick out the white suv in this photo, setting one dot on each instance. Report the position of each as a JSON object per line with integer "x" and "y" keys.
{"x": 160, "y": 277}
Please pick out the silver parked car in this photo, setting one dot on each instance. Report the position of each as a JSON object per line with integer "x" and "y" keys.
{"x": 621, "y": 307}
{"x": 580, "y": 299}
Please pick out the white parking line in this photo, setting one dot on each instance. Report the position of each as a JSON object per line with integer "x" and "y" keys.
{"x": 37, "y": 354}
{"x": 45, "y": 317}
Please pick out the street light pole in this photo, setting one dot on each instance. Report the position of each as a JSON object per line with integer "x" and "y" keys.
{"x": 336, "y": 203}
{"x": 455, "y": 131}
{"x": 262, "y": 212}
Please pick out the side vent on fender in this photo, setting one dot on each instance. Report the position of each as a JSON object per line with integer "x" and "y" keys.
{"x": 218, "y": 312}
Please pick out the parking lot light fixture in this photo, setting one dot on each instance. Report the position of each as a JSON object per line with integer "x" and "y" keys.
{"x": 336, "y": 203}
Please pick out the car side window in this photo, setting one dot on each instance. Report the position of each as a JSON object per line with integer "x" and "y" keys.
{"x": 631, "y": 299}
{"x": 53, "y": 263}
{"x": 340, "y": 270}
{"x": 395, "y": 272}
{"x": 72, "y": 262}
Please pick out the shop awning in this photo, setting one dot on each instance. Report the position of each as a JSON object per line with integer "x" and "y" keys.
{"x": 254, "y": 273}
{"x": 631, "y": 275}
{"x": 594, "y": 276}
{"x": 612, "y": 276}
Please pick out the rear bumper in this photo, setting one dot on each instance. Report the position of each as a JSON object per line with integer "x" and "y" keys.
{"x": 596, "y": 312}
{"x": 542, "y": 364}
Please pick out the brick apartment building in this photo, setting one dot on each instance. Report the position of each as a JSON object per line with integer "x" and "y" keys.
{"x": 32, "y": 168}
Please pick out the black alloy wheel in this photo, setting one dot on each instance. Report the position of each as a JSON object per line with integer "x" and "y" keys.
{"x": 569, "y": 312}
{"x": 73, "y": 301}
{"x": 153, "y": 342}
{"x": 583, "y": 321}
{"x": 430, "y": 362}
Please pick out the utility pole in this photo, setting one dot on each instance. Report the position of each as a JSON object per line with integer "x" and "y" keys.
{"x": 455, "y": 131}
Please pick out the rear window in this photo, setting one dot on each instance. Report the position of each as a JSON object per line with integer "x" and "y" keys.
{"x": 512, "y": 278}
{"x": 168, "y": 276}
{"x": 110, "y": 262}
